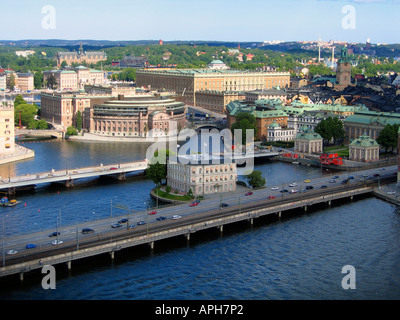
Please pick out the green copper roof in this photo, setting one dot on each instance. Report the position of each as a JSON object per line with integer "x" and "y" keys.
{"x": 364, "y": 141}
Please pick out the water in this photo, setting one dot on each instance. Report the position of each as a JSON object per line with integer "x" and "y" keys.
{"x": 298, "y": 257}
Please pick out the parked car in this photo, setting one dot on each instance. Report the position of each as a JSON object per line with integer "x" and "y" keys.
{"x": 87, "y": 230}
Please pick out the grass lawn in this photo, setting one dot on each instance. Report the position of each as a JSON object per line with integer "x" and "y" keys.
{"x": 172, "y": 196}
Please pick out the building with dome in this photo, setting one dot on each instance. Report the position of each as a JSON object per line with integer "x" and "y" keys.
{"x": 308, "y": 141}
{"x": 364, "y": 149}
{"x": 137, "y": 116}
{"x": 217, "y": 64}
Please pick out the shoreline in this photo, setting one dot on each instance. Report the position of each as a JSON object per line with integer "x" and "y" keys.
{"x": 90, "y": 137}
{"x": 21, "y": 153}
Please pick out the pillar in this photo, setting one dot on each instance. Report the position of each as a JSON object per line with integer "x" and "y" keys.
{"x": 329, "y": 203}
{"x": 151, "y": 245}
{"x": 187, "y": 236}
{"x": 21, "y": 276}
{"x": 305, "y": 208}
{"x": 69, "y": 183}
{"x": 69, "y": 265}
{"x": 121, "y": 176}
{"x": 112, "y": 255}
{"x": 251, "y": 221}
{"x": 221, "y": 228}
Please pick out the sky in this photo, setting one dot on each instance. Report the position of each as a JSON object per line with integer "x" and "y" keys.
{"x": 207, "y": 20}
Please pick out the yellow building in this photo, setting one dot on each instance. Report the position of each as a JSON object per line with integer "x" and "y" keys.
{"x": 188, "y": 82}
{"x": 7, "y": 135}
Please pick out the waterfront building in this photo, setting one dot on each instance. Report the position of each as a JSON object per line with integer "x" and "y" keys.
{"x": 370, "y": 123}
{"x": 364, "y": 149}
{"x": 202, "y": 174}
{"x": 80, "y": 57}
{"x": 187, "y": 82}
{"x": 308, "y": 141}
{"x": 277, "y": 133}
{"x": 61, "y": 107}
{"x": 7, "y": 135}
{"x": 137, "y": 116}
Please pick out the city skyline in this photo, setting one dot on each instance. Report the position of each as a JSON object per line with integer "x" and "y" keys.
{"x": 234, "y": 20}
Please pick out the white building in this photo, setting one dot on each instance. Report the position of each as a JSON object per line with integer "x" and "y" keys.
{"x": 277, "y": 133}
{"x": 217, "y": 64}
{"x": 3, "y": 82}
{"x": 199, "y": 174}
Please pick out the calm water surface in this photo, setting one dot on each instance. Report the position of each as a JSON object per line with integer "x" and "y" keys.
{"x": 297, "y": 257}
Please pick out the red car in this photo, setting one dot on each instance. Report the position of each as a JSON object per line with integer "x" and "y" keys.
{"x": 194, "y": 204}
{"x": 271, "y": 197}
{"x": 113, "y": 168}
{"x": 153, "y": 212}
{"x": 249, "y": 193}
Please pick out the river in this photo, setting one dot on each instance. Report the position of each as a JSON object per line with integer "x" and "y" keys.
{"x": 297, "y": 257}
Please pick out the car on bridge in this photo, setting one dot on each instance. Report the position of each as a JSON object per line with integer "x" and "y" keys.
{"x": 307, "y": 180}
{"x": 249, "y": 193}
{"x": 271, "y": 197}
{"x": 161, "y": 218}
{"x": 332, "y": 181}
{"x": 87, "y": 230}
{"x": 57, "y": 242}
{"x": 309, "y": 187}
{"x": 124, "y": 220}
{"x": 324, "y": 186}
{"x": 293, "y": 191}
{"x": 284, "y": 190}
{"x": 223, "y": 205}
{"x": 30, "y": 246}
{"x": 116, "y": 225}
{"x": 175, "y": 217}
{"x": 54, "y": 234}
{"x": 294, "y": 184}
{"x": 140, "y": 223}
{"x": 194, "y": 204}
{"x": 274, "y": 188}
{"x": 152, "y": 212}
{"x": 12, "y": 252}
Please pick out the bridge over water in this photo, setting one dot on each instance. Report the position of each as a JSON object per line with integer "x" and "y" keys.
{"x": 67, "y": 176}
{"x": 208, "y": 214}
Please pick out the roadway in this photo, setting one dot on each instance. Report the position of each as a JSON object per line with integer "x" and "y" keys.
{"x": 73, "y": 239}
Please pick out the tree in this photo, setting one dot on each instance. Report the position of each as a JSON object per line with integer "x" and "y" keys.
{"x": 255, "y": 179}
{"x": 245, "y": 121}
{"x": 71, "y": 131}
{"x": 156, "y": 172}
{"x": 388, "y": 136}
{"x": 27, "y": 113}
{"x": 51, "y": 81}
{"x": 19, "y": 99}
{"x": 41, "y": 125}
{"x": 38, "y": 80}
{"x": 331, "y": 128}
{"x": 79, "y": 121}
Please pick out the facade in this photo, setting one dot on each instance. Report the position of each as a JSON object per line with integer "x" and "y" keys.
{"x": 3, "y": 82}
{"x": 75, "y": 79}
{"x": 343, "y": 70}
{"x": 308, "y": 141}
{"x": 217, "y": 100}
{"x": 61, "y": 108}
{"x": 131, "y": 62}
{"x": 264, "y": 116}
{"x": 201, "y": 176}
{"x": 277, "y": 133}
{"x": 266, "y": 94}
{"x": 80, "y": 57}
{"x": 7, "y": 134}
{"x": 187, "y": 82}
{"x": 137, "y": 116}
{"x": 370, "y": 123}
{"x": 364, "y": 149}
{"x": 25, "y": 81}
